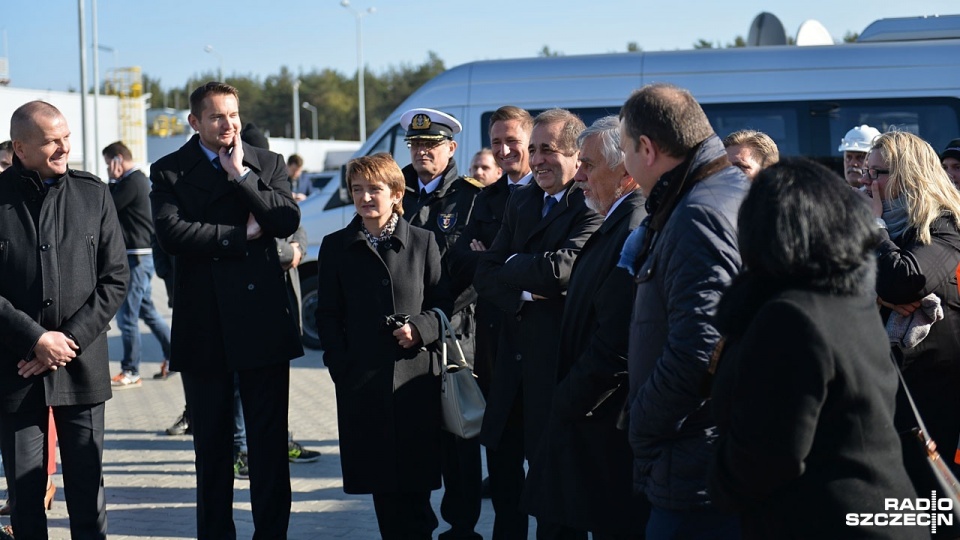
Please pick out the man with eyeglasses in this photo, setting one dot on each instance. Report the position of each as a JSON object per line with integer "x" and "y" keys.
{"x": 439, "y": 199}
{"x": 855, "y": 145}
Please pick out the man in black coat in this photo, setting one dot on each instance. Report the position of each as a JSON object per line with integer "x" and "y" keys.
{"x": 130, "y": 190}
{"x": 525, "y": 274}
{"x": 438, "y": 199}
{"x": 218, "y": 205}
{"x": 62, "y": 277}
{"x": 580, "y": 479}
{"x": 510, "y": 129}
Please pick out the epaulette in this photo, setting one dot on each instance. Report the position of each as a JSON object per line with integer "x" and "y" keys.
{"x": 84, "y": 174}
{"x": 473, "y": 181}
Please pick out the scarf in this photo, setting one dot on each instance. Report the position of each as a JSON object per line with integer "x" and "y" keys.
{"x": 385, "y": 233}
{"x": 895, "y": 216}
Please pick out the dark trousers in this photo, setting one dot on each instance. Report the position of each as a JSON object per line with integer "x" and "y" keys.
{"x": 23, "y": 444}
{"x": 692, "y": 525}
{"x": 462, "y": 477}
{"x": 507, "y": 476}
{"x": 552, "y": 531}
{"x": 265, "y": 395}
{"x": 404, "y": 516}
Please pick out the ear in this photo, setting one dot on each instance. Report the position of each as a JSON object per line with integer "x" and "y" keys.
{"x": 18, "y": 149}
{"x": 648, "y": 151}
{"x": 193, "y": 121}
{"x": 453, "y": 147}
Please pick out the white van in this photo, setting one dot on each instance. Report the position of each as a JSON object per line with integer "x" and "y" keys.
{"x": 806, "y": 98}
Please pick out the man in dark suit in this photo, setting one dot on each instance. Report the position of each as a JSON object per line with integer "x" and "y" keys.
{"x": 525, "y": 274}
{"x": 218, "y": 205}
{"x": 130, "y": 189}
{"x": 580, "y": 479}
{"x": 63, "y": 275}
{"x": 438, "y": 199}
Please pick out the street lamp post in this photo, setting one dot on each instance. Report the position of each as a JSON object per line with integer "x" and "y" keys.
{"x": 296, "y": 116}
{"x": 313, "y": 110}
{"x": 363, "y": 105}
{"x": 211, "y": 50}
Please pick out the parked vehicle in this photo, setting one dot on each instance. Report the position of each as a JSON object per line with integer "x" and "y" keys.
{"x": 805, "y": 98}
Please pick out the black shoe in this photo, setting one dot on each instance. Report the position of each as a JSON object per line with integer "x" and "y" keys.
{"x": 298, "y": 454}
{"x": 485, "y": 488}
{"x": 181, "y": 426}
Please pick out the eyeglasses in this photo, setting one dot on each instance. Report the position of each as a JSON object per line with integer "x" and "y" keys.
{"x": 872, "y": 173}
{"x": 424, "y": 145}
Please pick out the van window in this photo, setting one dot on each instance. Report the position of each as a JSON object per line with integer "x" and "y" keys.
{"x": 933, "y": 120}
{"x": 778, "y": 120}
{"x": 588, "y": 115}
{"x": 392, "y": 143}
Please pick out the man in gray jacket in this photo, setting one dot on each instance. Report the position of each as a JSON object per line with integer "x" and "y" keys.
{"x": 63, "y": 274}
{"x": 682, "y": 257}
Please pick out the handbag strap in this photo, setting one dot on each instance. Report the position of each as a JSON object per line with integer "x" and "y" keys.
{"x": 447, "y": 336}
{"x": 928, "y": 443}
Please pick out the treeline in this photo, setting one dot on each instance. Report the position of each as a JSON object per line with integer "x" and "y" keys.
{"x": 269, "y": 102}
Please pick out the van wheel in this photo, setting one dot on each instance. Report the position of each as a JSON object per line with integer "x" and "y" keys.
{"x": 308, "y": 291}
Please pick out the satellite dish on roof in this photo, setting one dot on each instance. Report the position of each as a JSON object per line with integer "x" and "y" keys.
{"x": 811, "y": 32}
{"x": 766, "y": 29}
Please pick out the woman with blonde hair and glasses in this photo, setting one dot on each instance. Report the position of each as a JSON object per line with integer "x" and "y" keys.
{"x": 918, "y": 210}
{"x": 380, "y": 277}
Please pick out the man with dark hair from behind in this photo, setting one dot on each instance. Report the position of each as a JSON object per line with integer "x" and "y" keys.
{"x": 218, "y": 206}
{"x": 130, "y": 190}
{"x": 682, "y": 257}
{"x": 62, "y": 279}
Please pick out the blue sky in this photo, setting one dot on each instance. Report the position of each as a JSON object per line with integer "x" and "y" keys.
{"x": 255, "y": 37}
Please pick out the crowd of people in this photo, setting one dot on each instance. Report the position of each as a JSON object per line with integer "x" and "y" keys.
{"x": 678, "y": 336}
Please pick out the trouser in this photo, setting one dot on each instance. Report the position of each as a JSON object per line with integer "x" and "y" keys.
{"x": 553, "y": 531}
{"x": 264, "y": 393}
{"x": 24, "y": 444}
{"x": 507, "y": 476}
{"x": 405, "y": 516}
{"x": 138, "y": 304}
{"x": 462, "y": 477}
{"x": 239, "y": 427}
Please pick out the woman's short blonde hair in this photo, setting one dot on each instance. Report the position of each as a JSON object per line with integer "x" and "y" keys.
{"x": 379, "y": 169}
{"x": 916, "y": 173}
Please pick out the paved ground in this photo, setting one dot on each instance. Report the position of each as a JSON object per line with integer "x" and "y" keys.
{"x": 149, "y": 476}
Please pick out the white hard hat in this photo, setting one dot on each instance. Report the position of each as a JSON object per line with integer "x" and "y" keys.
{"x": 859, "y": 139}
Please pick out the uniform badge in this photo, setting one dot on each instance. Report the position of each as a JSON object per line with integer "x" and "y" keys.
{"x": 447, "y": 221}
{"x": 420, "y": 121}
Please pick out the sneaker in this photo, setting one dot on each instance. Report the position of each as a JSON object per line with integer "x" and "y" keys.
{"x": 164, "y": 372}
{"x": 299, "y": 454}
{"x": 240, "y": 469}
{"x": 181, "y": 426}
{"x": 125, "y": 379}
{"x": 6, "y": 532}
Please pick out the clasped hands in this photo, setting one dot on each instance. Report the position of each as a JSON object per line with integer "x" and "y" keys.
{"x": 53, "y": 350}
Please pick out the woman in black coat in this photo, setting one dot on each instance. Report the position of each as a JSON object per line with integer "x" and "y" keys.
{"x": 380, "y": 277}
{"x": 917, "y": 257}
{"x": 804, "y": 389}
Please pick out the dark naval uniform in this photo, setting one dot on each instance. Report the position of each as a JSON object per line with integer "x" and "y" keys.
{"x": 446, "y": 211}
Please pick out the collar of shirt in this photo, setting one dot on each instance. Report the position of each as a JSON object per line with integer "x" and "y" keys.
{"x": 524, "y": 180}
{"x": 431, "y": 186}
{"x": 556, "y": 196}
{"x": 615, "y": 204}
{"x": 211, "y": 155}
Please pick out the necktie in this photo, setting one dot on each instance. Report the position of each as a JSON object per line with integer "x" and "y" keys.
{"x": 512, "y": 187}
{"x": 548, "y": 205}
{"x": 216, "y": 163}
{"x": 423, "y": 195}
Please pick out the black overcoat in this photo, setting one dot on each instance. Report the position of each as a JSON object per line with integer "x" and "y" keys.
{"x": 231, "y": 305}
{"x": 484, "y": 225}
{"x": 581, "y": 475}
{"x": 804, "y": 398}
{"x": 541, "y": 253}
{"x": 63, "y": 266}
{"x": 388, "y": 397}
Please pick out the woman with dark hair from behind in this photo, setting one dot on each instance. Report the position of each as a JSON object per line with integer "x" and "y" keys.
{"x": 804, "y": 388}
{"x": 917, "y": 261}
